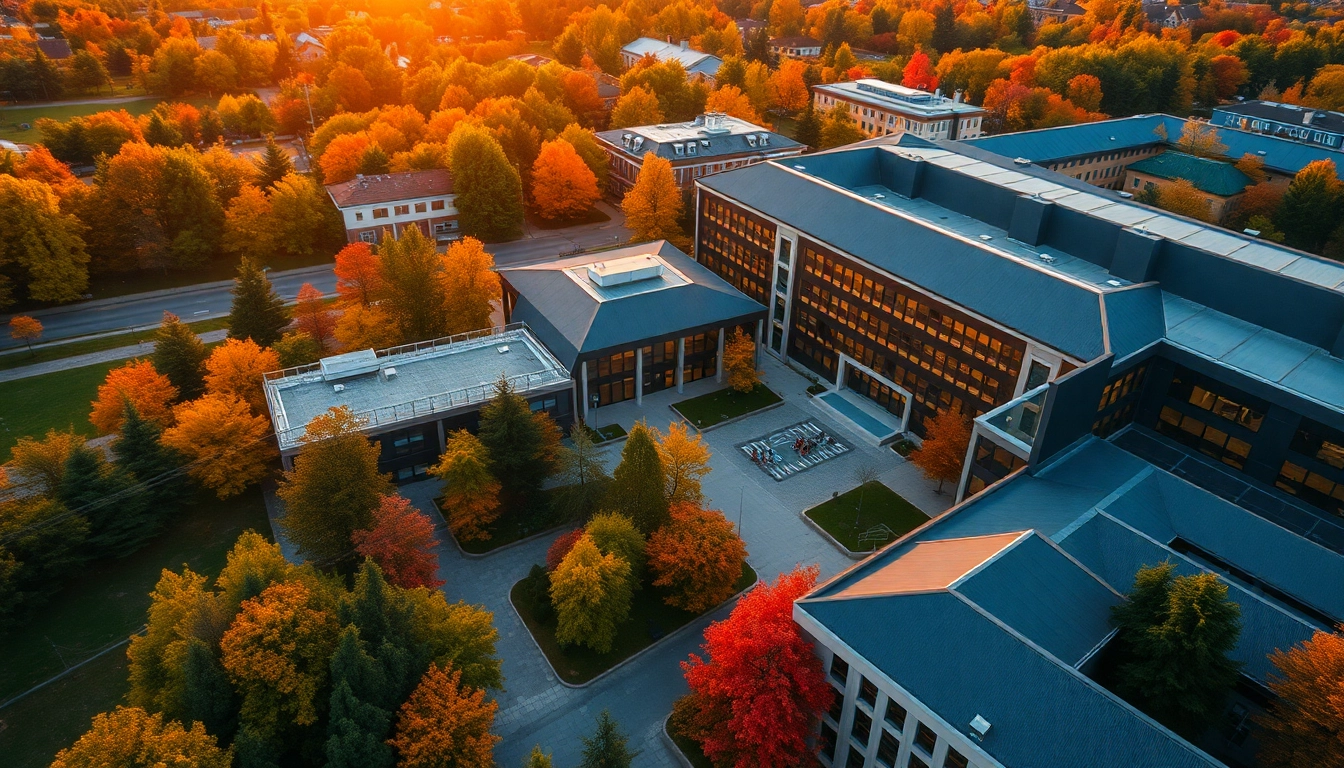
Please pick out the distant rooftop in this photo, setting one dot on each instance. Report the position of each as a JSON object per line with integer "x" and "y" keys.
{"x": 407, "y": 383}
{"x": 1292, "y": 114}
{"x": 390, "y": 187}
{"x": 1213, "y": 176}
{"x": 708, "y": 135}
{"x": 889, "y": 96}
{"x": 695, "y": 62}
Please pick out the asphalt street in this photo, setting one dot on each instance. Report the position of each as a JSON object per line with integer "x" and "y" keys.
{"x": 208, "y": 300}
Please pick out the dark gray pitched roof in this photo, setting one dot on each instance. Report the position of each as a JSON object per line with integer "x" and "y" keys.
{"x": 571, "y": 322}
{"x": 1289, "y": 114}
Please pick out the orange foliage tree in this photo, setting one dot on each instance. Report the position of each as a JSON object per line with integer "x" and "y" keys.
{"x": 555, "y": 554}
{"x": 358, "y": 280}
{"x": 754, "y": 701}
{"x": 919, "y": 73}
{"x": 787, "y": 86}
{"x": 1305, "y": 723}
{"x": 402, "y": 543}
{"x": 26, "y": 329}
{"x": 563, "y": 186}
{"x": 697, "y": 557}
{"x": 312, "y": 316}
{"x": 235, "y": 368}
{"x": 470, "y": 491}
{"x": 228, "y": 445}
{"x": 138, "y": 383}
{"x": 340, "y": 161}
{"x": 946, "y": 438}
{"x": 131, "y": 736}
{"x": 444, "y": 723}
{"x": 730, "y": 100}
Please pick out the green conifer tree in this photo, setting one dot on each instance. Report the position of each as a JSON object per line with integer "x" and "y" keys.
{"x": 180, "y": 355}
{"x": 207, "y": 696}
{"x": 522, "y": 445}
{"x": 153, "y": 464}
{"x": 120, "y": 520}
{"x": 637, "y": 485}
{"x": 808, "y": 130}
{"x": 358, "y": 729}
{"x": 161, "y": 133}
{"x": 582, "y": 474}
{"x": 608, "y": 746}
{"x": 374, "y": 161}
{"x": 273, "y": 164}
{"x": 257, "y": 312}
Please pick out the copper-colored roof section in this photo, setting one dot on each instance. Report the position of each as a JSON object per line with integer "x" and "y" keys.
{"x": 929, "y": 565}
{"x": 390, "y": 187}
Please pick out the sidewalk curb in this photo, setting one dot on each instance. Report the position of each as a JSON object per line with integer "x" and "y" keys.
{"x": 495, "y": 551}
{"x": 672, "y": 745}
{"x": 734, "y": 420}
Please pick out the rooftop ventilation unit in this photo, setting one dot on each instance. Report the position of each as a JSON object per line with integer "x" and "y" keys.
{"x": 986, "y": 238}
{"x": 979, "y": 728}
{"x": 879, "y": 196}
{"x": 800, "y": 167}
{"x": 1114, "y": 283}
{"x": 349, "y": 364}
{"x": 337, "y": 387}
{"x": 631, "y": 269}
{"x": 1021, "y": 161}
{"x": 503, "y": 349}
{"x": 1127, "y": 195}
{"x": 716, "y": 124}
{"x": 897, "y": 92}
{"x": 389, "y": 374}
{"x": 1047, "y": 258}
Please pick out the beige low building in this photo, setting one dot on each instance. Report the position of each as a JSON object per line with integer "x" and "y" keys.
{"x": 1221, "y": 183}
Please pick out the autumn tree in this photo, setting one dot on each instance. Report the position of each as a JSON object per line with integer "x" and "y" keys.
{"x": 257, "y": 312}
{"x": 582, "y": 473}
{"x": 696, "y": 557}
{"x": 919, "y": 74}
{"x": 522, "y": 445}
{"x": 297, "y": 348}
{"x": 312, "y": 317}
{"x": 26, "y": 329}
{"x": 358, "y": 279}
{"x": 731, "y": 101}
{"x": 615, "y": 534}
{"x": 249, "y": 225}
{"x": 685, "y": 461}
{"x": 638, "y": 488}
{"x": 180, "y": 355}
{"x": 1310, "y": 209}
{"x": 273, "y": 164}
{"x": 401, "y": 541}
{"x": 608, "y": 746}
{"x": 1173, "y": 636}
{"x": 228, "y": 445}
{"x": 555, "y": 554}
{"x": 1183, "y": 198}
{"x": 470, "y": 491}
{"x": 940, "y": 457}
{"x": 489, "y": 200}
{"x": 838, "y": 128}
{"x": 1085, "y": 92}
{"x": 136, "y": 383}
{"x": 413, "y": 290}
{"x": 1305, "y": 721}
{"x": 537, "y": 758}
{"x": 759, "y": 688}
{"x": 563, "y": 186}
{"x": 653, "y": 206}
{"x": 585, "y": 143}
{"x": 42, "y": 255}
{"x": 739, "y": 361}
{"x": 130, "y": 736}
{"x": 470, "y": 284}
{"x": 235, "y": 369}
{"x": 304, "y": 218}
{"x": 333, "y": 489}
{"x": 591, "y": 593}
{"x": 42, "y": 462}
{"x": 788, "y": 88}
{"x": 637, "y": 106}
{"x": 1200, "y": 139}
{"x": 445, "y": 724}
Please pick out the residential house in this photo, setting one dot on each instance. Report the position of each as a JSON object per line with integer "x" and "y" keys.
{"x": 698, "y": 64}
{"x": 374, "y": 206}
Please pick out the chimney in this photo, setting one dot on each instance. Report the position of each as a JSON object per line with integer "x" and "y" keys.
{"x": 1306, "y": 117}
{"x": 685, "y": 44}
{"x": 956, "y": 97}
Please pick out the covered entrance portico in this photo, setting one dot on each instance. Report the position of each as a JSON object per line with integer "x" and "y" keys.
{"x": 878, "y": 406}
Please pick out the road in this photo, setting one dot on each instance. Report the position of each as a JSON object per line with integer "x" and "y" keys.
{"x": 208, "y": 300}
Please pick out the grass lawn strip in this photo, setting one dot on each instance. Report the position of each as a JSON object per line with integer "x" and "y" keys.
{"x": 104, "y": 603}
{"x": 60, "y": 400}
{"x": 61, "y": 351}
{"x": 609, "y": 432}
{"x": 648, "y": 614}
{"x": 715, "y": 407}
{"x": 881, "y": 506}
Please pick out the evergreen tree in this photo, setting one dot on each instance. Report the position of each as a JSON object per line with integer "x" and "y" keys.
{"x": 45, "y": 76}
{"x": 637, "y": 486}
{"x": 522, "y": 445}
{"x": 207, "y": 697}
{"x": 583, "y": 476}
{"x": 140, "y": 453}
{"x": 1311, "y": 207}
{"x": 374, "y": 161}
{"x": 537, "y": 759}
{"x": 273, "y": 165}
{"x": 162, "y": 133}
{"x": 758, "y": 46}
{"x": 944, "y": 36}
{"x": 608, "y": 746}
{"x": 180, "y": 355}
{"x": 257, "y": 312}
{"x": 490, "y": 200}
{"x": 358, "y": 729}
{"x": 808, "y": 130}
{"x": 119, "y": 518}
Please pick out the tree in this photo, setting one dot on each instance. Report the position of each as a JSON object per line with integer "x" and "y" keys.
{"x": 653, "y": 206}
{"x": 130, "y": 736}
{"x": 139, "y": 451}
{"x": 414, "y": 292}
{"x": 312, "y": 317}
{"x": 760, "y": 690}
{"x": 470, "y": 284}
{"x": 257, "y": 312}
{"x": 470, "y": 491}
{"x": 582, "y": 474}
{"x": 402, "y": 543}
{"x": 940, "y": 457}
{"x": 919, "y": 74}
{"x": 685, "y": 461}
{"x": 696, "y": 557}
{"x": 227, "y": 445}
{"x": 522, "y": 445}
{"x": 1253, "y": 166}
{"x": 305, "y": 219}
{"x": 42, "y": 256}
{"x": 585, "y": 143}
{"x": 272, "y": 165}
{"x": 1174, "y": 634}
{"x": 1305, "y": 721}
{"x": 739, "y": 360}
{"x": 591, "y": 593}
{"x": 489, "y": 203}
{"x": 537, "y": 758}
{"x": 297, "y": 348}
{"x": 563, "y": 186}
{"x": 838, "y": 128}
{"x": 25, "y": 328}
{"x": 555, "y": 554}
{"x": 357, "y": 725}
{"x": 788, "y": 89}
{"x": 1182, "y": 197}
{"x": 1085, "y": 91}
{"x": 136, "y": 383}
{"x": 180, "y": 355}
{"x": 445, "y": 724}
{"x": 637, "y": 106}
{"x": 250, "y": 225}
{"x": 42, "y": 462}
{"x": 1310, "y": 208}
{"x": 1200, "y": 139}
{"x": 607, "y": 748}
{"x": 235, "y": 369}
{"x": 639, "y": 484}
{"x": 808, "y": 130}
{"x": 358, "y": 280}
{"x": 87, "y": 72}
{"x": 118, "y": 516}
{"x": 730, "y": 100}
{"x": 614, "y": 534}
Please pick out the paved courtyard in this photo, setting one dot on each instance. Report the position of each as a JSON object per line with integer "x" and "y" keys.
{"x": 535, "y": 708}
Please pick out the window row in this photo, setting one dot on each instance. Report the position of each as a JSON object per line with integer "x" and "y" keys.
{"x": 404, "y": 210}
{"x": 891, "y": 730}
{"x": 750, "y": 228}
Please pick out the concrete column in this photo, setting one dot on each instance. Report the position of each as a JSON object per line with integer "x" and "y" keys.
{"x": 574, "y": 395}
{"x": 443, "y": 443}
{"x": 639, "y": 376}
{"x": 585, "y": 388}
{"x": 718, "y": 372}
{"x": 760, "y": 340}
{"x": 681, "y": 361}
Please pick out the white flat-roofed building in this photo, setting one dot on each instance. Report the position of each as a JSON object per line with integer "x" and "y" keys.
{"x": 373, "y": 205}
{"x": 696, "y": 63}
{"x": 885, "y": 109}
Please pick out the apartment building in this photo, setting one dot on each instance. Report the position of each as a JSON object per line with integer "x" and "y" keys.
{"x": 884, "y": 109}
{"x": 1288, "y": 121}
{"x": 373, "y": 206}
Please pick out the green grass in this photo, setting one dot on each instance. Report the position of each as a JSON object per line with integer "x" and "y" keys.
{"x": 125, "y": 283}
{"x": 648, "y": 613}
{"x": 107, "y": 601}
{"x": 609, "y": 432}
{"x": 12, "y": 116}
{"x": 61, "y": 400}
{"x": 881, "y": 506}
{"x": 708, "y": 410}
{"x": 62, "y": 351}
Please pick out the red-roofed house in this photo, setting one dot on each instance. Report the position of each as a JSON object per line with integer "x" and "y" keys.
{"x": 372, "y": 205}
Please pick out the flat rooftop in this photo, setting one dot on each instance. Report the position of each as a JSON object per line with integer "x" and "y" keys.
{"x": 408, "y": 383}
{"x": 911, "y": 101}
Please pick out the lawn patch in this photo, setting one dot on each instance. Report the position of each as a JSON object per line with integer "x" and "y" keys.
{"x": 61, "y": 400}
{"x": 61, "y": 351}
{"x": 650, "y": 620}
{"x": 609, "y": 432}
{"x": 47, "y": 721}
{"x": 881, "y": 506}
{"x": 715, "y": 407}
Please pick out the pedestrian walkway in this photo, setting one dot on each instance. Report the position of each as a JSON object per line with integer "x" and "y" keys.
{"x": 143, "y": 349}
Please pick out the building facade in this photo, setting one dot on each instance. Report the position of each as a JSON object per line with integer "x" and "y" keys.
{"x": 373, "y": 206}
{"x": 884, "y": 109}
{"x": 1288, "y": 121}
{"x": 709, "y": 144}
{"x": 802, "y": 47}
{"x": 1220, "y": 183}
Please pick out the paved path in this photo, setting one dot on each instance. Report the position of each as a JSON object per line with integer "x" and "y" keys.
{"x": 534, "y": 707}
{"x": 143, "y": 349}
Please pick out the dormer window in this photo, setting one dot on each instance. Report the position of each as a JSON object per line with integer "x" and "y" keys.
{"x": 626, "y": 139}
{"x": 680, "y": 149}
{"x": 690, "y": 147}
{"x": 765, "y": 139}
{"x": 751, "y": 139}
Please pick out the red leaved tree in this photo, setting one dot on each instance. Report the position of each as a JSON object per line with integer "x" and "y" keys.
{"x": 358, "y": 280}
{"x": 402, "y": 543}
{"x": 313, "y": 317}
{"x": 560, "y": 547}
{"x": 697, "y": 557}
{"x": 755, "y": 700}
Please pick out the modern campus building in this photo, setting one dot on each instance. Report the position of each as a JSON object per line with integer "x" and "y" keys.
{"x": 1289, "y": 121}
{"x": 698, "y": 64}
{"x": 885, "y": 109}
{"x": 388, "y": 203}
{"x": 708, "y": 144}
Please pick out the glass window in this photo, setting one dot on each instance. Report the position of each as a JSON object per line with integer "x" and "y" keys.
{"x": 887, "y": 749}
{"x": 867, "y": 691}
{"x": 436, "y": 205}
{"x": 925, "y": 738}
{"x": 916, "y": 761}
{"x": 862, "y": 727}
{"x": 826, "y": 741}
{"x": 837, "y": 706}
{"x": 380, "y": 213}
{"x": 402, "y": 210}
{"x": 839, "y": 669}
{"x": 368, "y": 237}
{"x": 1037, "y": 375}
{"x": 359, "y": 216}
{"x": 420, "y": 207}
{"x": 895, "y": 716}
{"x": 855, "y": 759}
{"x": 954, "y": 759}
